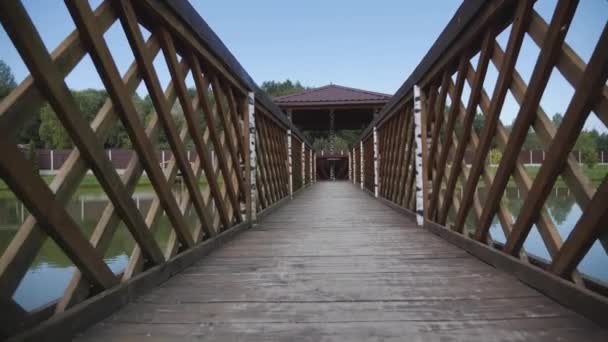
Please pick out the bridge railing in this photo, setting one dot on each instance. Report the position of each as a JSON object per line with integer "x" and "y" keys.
{"x": 224, "y": 113}
{"x": 497, "y": 58}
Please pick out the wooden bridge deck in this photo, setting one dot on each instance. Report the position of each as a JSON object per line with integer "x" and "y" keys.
{"x": 335, "y": 264}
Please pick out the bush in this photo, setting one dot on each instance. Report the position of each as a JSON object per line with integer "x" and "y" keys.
{"x": 495, "y": 156}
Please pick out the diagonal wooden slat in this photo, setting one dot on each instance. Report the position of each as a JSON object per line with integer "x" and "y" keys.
{"x": 201, "y": 86}
{"x": 449, "y": 127}
{"x": 29, "y": 44}
{"x": 585, "y": 96}
{"x": 125, "y": 108}
{"x": 29, "y": 238}
{"x": 195, "y": 133}
{"x": 591, "y": 225}
{"x": 506, "y": 68}
{"x": 18, "y": 173}
{"x": 26, "y": 100}
{"x": 467, "y": 122}
{"x": 540, "y": 76}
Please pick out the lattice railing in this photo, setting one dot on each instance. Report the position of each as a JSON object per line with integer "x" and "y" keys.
{"x": 217, "y": 111}
{"x": 470, "y": 73}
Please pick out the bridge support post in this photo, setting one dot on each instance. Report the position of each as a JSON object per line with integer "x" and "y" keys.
{"x": 314, "y": 167}
{"x": 362, "y": 178}
{"x": 375, "y": 162}
{"x": 252, "y": 194}
{"x": 418, "y": 160}
{"x": 303, "y": 163}
{"x": 310, "y": 163}
{"x": 289, "y": 163}
{"x": 354, "y": 176}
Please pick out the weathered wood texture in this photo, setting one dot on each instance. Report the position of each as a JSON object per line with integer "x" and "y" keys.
{"x": 335, "y": 264}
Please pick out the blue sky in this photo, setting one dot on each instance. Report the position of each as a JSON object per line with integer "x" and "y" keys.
{"x": 363, "y": 44}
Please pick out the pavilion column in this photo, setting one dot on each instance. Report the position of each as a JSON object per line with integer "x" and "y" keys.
{"x": 332, "y": 144}
{"x": 349, "y": 166}
{"x": 289, "y": 115}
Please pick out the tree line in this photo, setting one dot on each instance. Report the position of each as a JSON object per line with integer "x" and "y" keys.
{"x": 44, "y": 130}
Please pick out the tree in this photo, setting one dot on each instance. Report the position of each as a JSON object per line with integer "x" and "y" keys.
{"x": 557, "y": 119}
{"x": 52, "y": 133}
{"x": 7, "y": 80}
{"x": 478, "y": 122}
{"x": 586, "y": 145}
{"x": 274, "y": 88}
{"x": 31, "y": 154}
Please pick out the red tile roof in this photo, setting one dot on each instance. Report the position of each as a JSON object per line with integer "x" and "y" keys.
{"x": 332, "y": 95}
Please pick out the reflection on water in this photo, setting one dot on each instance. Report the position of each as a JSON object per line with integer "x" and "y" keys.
{"x": 565, "y": 212}
{"x": 51, "y": 271}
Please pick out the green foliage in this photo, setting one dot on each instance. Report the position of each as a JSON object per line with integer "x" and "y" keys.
{"x": 495, "y": 156}
{"x": 557, "y": 119}
{"x": 478, "y": 122}
{"x": 31, "y": 154}
{"x": 52, "y": 133}
{"x": 7, "y": 80}
{"x": 274, "y": 88}
{"x": 586, "y": 144}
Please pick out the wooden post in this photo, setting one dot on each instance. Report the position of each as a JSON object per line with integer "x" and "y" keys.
{"x": 354, "y": 178}
{"x": 362, "y": 162}
{"x": 289, "y": 163}
{"x": 310, "y": 176}
{"x": 375, "y": 161}
{"x": 418, "y": 160}
{"x": 252, "y": 194}
{"x": 349, "y": 166}
{"x": 303, "y": 163}
{"x": 314, "y": 167}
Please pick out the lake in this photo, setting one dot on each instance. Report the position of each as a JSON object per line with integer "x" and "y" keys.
{"x": 51, "y": 271}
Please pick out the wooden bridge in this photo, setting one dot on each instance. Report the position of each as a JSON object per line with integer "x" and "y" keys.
{"x": 401, "y": 251}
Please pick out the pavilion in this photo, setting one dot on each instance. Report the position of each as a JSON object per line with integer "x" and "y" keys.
{"x": 330, "y": 108}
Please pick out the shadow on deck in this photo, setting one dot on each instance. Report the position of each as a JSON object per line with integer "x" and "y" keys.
{"x": 335, "y": 264}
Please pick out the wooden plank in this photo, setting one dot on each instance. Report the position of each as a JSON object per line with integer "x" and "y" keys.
{"x": 29, "y": 44}
{"x": 263, "y": 280}
{"x": 585, "y": 95}
{"x": 542, "y": 70}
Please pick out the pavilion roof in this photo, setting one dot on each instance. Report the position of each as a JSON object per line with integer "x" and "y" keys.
{"x": 332, "y": 94}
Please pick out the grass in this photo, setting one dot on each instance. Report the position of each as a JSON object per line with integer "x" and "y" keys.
{"x": 88, "y": 184}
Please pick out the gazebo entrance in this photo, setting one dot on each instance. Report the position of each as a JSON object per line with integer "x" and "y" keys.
{"x": 323, "y": 112}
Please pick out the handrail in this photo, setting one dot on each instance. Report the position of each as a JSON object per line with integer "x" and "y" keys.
{"x": 460, "y": 200}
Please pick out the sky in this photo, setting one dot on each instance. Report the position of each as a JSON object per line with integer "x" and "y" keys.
{"x": 372, "y": 45}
